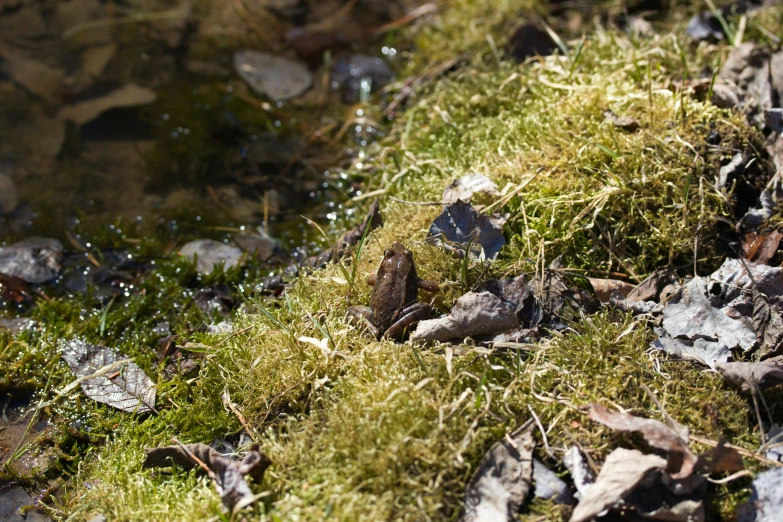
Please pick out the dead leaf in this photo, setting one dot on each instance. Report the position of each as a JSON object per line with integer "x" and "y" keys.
{"x": 690, "y": 315}
{"x": 95, "y": 59}
{"x": 720, "y": 459}
{"x": 501, "y": 483}
{"x": 473, "y": 314}
{"x": 530, "y": 40}
{"x": 550, "y": 486}
{"x": 464, "y": 188}
{"x": 625, "y": 123}
{"x": 751, "y": 377}
{"x": 229, "y": 475}
{"x": 704, "y": 352}
{"x": 657, "y": 434}
{"x": 459, "y": 222}
{"x": 77, "y": 13}
{"x": 34, "y": 260}
{"x": 622, "y": 472}
{"x": 766, "y": 498}
{"x": 580, "y": 473}
{"x": 761, "y": 248}
{"x": 210, "y": 254}
{"x": 650, "y": 288}
{"x": 130, "y": 95}
{"x": 605, "y": 288}
{"x": 131, "y": 390}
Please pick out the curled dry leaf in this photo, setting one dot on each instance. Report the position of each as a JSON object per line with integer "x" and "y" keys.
{"x": 751, "y": 377}
{"x": 501, "y": 483}
{"x": 704, "y": 352}
{"x": 625, "y": 123}
{"x": 657, "y": 434}
{"x": 229, "y": 475}
{"x": 580, "y": 473}
{"x": 127, "y": 389}
{"x": 475, "y": 313}
{"x": 622, "y": 472}
{"x": 550, "y": 486}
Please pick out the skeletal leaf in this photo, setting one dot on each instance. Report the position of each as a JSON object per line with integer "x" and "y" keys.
{"x": 129, "y": 389}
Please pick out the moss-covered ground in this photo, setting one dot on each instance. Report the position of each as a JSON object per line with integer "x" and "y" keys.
{"x": 370, "y": 430}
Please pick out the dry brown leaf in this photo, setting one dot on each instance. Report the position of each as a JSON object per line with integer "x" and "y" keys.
{"x": 761, "y": 248}
{"x": 657, "y": 434}
{"x": 605, "y": 288}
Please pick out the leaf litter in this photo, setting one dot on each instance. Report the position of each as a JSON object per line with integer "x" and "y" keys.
{"x": 229, "y": 476}
{"x": 460, "y": 225}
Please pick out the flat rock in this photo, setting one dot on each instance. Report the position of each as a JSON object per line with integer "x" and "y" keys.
{"x": 210, "y": 254}
{"x": 11, "y": 499}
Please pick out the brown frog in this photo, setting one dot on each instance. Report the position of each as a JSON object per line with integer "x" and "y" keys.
{"x": 394, "y": 305}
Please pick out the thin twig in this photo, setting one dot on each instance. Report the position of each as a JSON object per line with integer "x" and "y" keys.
{"x": 738, "y": 449}
{"x": 230, "y": 405}
{"x": 735, "y": 476}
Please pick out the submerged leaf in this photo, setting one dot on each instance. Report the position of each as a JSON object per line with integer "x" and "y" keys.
{"x": 657, "y": 434}
{"x": 127, "y": 389}
{"x": 229, "y": 475}
{"x": 501, "y": 483}
{"x": 271, "y": 75}
{"x": 130, "y": 95}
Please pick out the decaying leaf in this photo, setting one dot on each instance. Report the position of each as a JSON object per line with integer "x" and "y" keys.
{"x": 690, "y": 315}
{"x": 258, "y": 245}
{"x": 550, "y": 486}
{"x": 127, "y": 389}
{"x": 720, "y": 459}
{"x": 210, "y": 254}
{"x": 605, "y": 288}
{"x": 580, "y": 473}
{"x": 625, "y": 123}
{"x": 761, "y": 248}
{"x": 704, "y": 26}
{"x": 36, "y": 77}
{"x": 475, "y": 313}
{"x": 622, "y": 472}
{"x": 705, "y": 352}
{"x": 130, "y": 95}
{"x": 229, "y": 475}
{"x": 530, "y": 40}
{"x": 766, "y": 500}
{"x": 34, "y": 260}
{"x": 460, "y": 222}
{"x": 681, "y": 460}
{"x": 751, "y": 377}
{"x": 501, "y": 483}
{"x": 270, "y": 75}
{"x": 650, "y": 289}
{"x": 464, "y": 188}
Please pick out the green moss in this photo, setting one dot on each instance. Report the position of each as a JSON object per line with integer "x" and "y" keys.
{"x": 366, "y": 430}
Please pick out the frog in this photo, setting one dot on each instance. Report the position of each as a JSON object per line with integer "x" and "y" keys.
{"x": 394, "y": 305}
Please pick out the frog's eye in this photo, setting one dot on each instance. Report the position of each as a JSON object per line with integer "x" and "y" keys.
{"x": 388, "y": 253}
{"x": 408, "y": 253}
